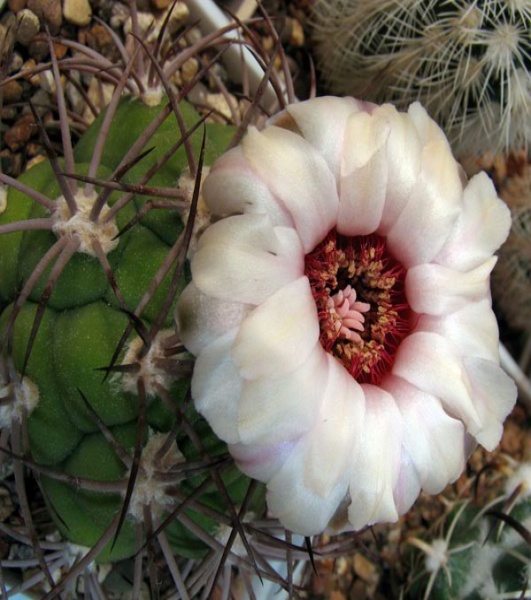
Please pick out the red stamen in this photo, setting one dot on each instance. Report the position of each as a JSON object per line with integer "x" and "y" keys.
{"x": 358, "y": 288}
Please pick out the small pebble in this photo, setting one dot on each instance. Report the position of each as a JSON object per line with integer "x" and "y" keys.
{"x": 49, "y": 12}
{"x": 8, "y": 113}
{"x": 16, "y": 62}
{"x": 28, "y": 66}
{"x": 20, "y": 133}
{"x": 16, "y": 5}
{"x": 99, "y": 38}
{"x": 28, "y": 26}
{"x": 160, "y": 4}
{"x": 11, "y": 163}
{"x": 47, "y": 82}
{"x": 7, "y": 507}
{"x": 39, "y": 48}
{"x": 77, "y": 12}
{"x": 11, "y": 92}
{"x": 189, "y": 70}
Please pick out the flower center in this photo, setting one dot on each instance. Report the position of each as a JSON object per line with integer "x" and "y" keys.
{"x": 358, "y": 288}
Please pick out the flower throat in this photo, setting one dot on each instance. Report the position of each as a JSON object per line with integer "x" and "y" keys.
{"x": 358, "y": 288}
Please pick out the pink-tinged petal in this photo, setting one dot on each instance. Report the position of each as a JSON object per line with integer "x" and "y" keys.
{"x": 407, "y": 487}
{"x": 334, "y": 441}
{"x": 425, "y": 223}
{"x": 403, "y": 141}
{"x": 245, "y": 259}
{"x": 278, "y": 336}
{"x": 232, "y": 187}
{"x": 216, "y": 387}
{"x": 312, "y": 483}
{"x": 201, "y": 319}
{"x": 275, "y": 410}
{"x": 322, "y": 122}
{"x": 427, "y": 361}
{"x": 301, "y": 510}
{"x": 434, "y": 441}
{"x": 494, "y": 395}
{"x": 363, "y": 182}
{"x": 471, "y": 331}
{"x": 437, "y": 290}
{"x": 481, "y": 228}
{"x": 372, "y": 498}
{"x": 299, "y": 177}
{"x": 261, "y": 461}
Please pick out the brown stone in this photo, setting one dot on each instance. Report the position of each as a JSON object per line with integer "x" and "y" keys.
{"x": 39, "y": 48}
{"x": 160, "y": 4}
{"x": 16, "y": 5}
{"x": 11, "y": 92}
{"x": 28, "y": 26}
{"x": 60, "y": 50}
{"x": 49, "y": 12}
{"x": 98, "y": 38}
{"x": 8, "y": 113}
{"x": 20, "y": 133}
{"x": 11, "y": 163}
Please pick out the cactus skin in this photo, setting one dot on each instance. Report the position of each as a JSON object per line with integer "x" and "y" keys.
{"x": 80, "y": 328}
{"x": 477, "y": 559}
{"x": 469, "y": 63}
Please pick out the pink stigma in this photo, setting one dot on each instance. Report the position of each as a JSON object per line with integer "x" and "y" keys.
{"x": 347, "y": 313}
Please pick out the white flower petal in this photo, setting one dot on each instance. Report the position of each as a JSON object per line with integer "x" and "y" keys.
{"x": 280, "y": 409}
{"x": 427, "y": 129}
{"x": 322, "y": 122}
{"x": 372, "y": 498}
{"x": 407, "y": 487}
{"x": 482, "y": 227}
{"x": 312, "y": 483}
{"x": 402, "y": 173}
{"x": 328, "y": 448}
{"x": 363, "y": 182}
{"x": 437, "y": 290}
{"x": 426, "y": 221}
{"x": 494, "y": 395}
{"x": 245, "y": 259}
{"x": 201, "y": 319}
{"x": 471, "y": 331}
{"x": 216, "y": 387}
{"x": 434, "y": 441}
{"x": 299, "y": 177}
{"x": 427, "y": 361}
{"x": 261, "y": 461}
{"x": 278, "y": 336}
{"x": 232, "y": 187}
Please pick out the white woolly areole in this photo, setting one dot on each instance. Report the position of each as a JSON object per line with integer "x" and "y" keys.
{"x": 82, "y": 227}
{"x": 152, "y": 96}
{"x": 438, "y": 555}
{"x": 520, "y": 477}
{"x": 153, "y": 376}
{"x": 24, "y": 397}
{"x": 150, "y": 490}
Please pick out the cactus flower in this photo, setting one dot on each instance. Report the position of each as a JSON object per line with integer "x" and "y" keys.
{"x": 340, "y": 312}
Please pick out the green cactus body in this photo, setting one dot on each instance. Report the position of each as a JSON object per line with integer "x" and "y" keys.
{"x": 477, "y": 560}
{"x": 79, "y": 330}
